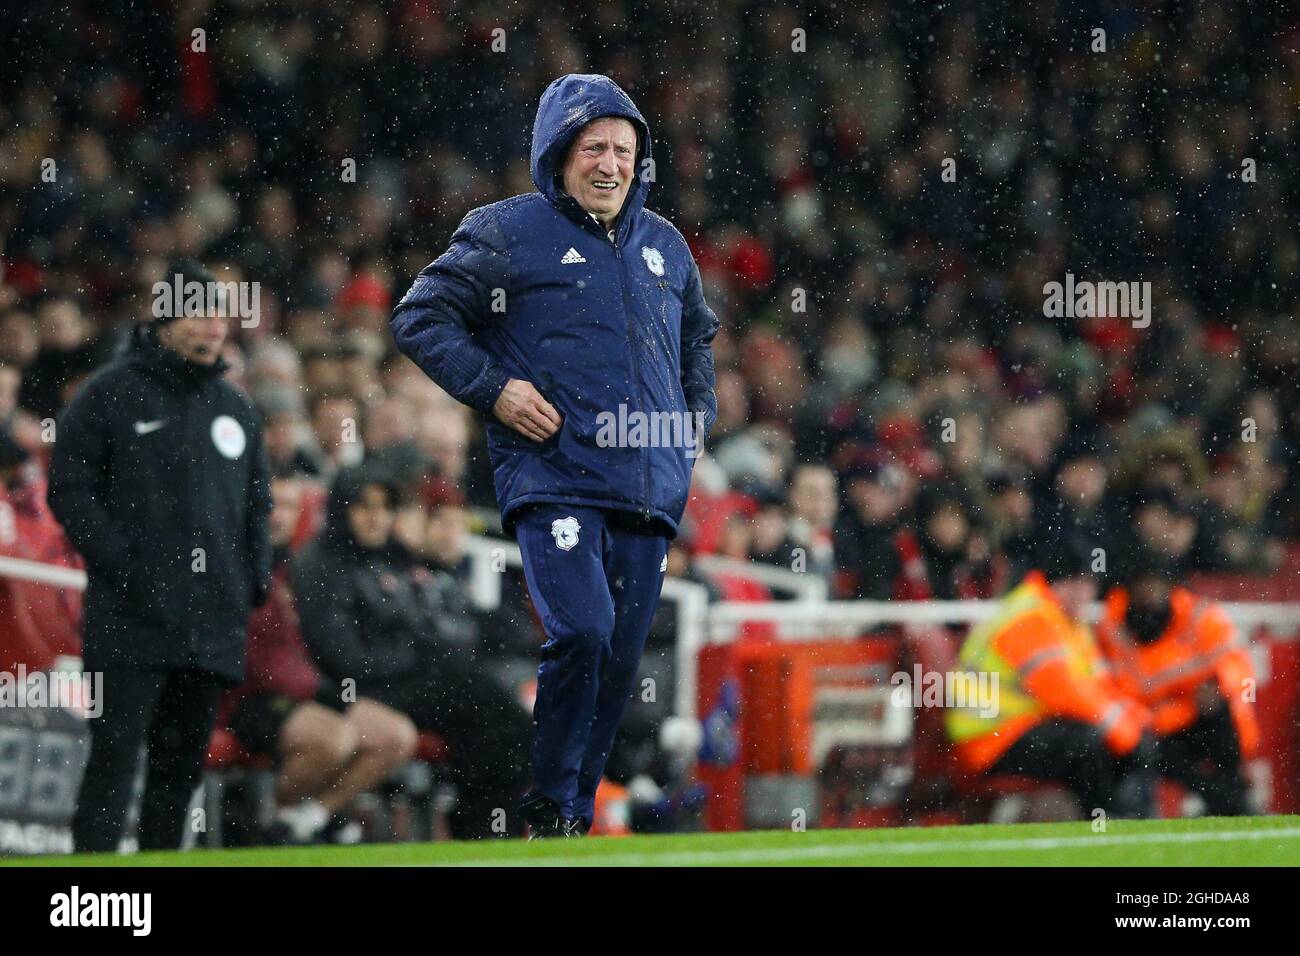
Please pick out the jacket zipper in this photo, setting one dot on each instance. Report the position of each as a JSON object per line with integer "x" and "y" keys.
{"x": 590, "y": 224}
{"x": 636, "y": 362}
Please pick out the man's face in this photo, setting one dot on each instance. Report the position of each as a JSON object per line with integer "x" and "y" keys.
{"x": 814, "y": 496}
{"x": 198, "y": 338}
{"x": 445, "y": 535}
{"x": 1075, "y": 594}
{"x": 1015, "y": 505}
{"x": 876, "y": 498}
{"x": 18, "y": 339}
{"x": 737, "y": 536}
{"x": 11, "y": 381}
{"x": 330, "y": 420}
{"x": 599, "y": 168}
{"x": 1164, "y": 533}
{"x": 370, "y": 517}
{"x": 1149, "y": 592}
{"x": 769, "y": 529}
{"x": 948, "y": 527}
{"x": 281, "y": 436}
{"x": 388, "y": 423}
{"x": 61, "y": 326}
{"x": 286, "y": 498}
{"x": 445, "y": 439}
{"x": 409, "y": 523}
{"x": 1082, "y": 482}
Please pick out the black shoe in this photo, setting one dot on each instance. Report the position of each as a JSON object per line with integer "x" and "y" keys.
{"x": 578, "y": 827}
{"x": 278, "y": 834}
{"x": 542, "y": 814}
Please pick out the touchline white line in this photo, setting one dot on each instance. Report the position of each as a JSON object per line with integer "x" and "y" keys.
{"x": 777, "y": 854}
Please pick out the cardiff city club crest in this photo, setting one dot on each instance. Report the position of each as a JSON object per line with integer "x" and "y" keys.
{"x": 654, "y": 260}
{"x": 565, "y": 532}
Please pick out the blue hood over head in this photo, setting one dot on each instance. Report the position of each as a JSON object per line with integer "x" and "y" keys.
{"x": 570, "y": 103}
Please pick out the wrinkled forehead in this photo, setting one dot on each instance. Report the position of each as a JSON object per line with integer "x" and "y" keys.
{"x": 618, "y": 128}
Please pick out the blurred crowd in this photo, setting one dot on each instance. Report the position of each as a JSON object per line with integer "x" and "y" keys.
{"x": 878, "y": 321}
{"x": 896, "y": 412}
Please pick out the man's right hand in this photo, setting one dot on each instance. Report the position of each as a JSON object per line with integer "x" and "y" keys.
{"x": 522, "y": 408}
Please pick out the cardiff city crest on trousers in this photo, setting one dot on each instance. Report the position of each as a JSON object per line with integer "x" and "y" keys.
{"x": 565, "y": 532}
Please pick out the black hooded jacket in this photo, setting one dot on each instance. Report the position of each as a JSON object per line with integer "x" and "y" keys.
{"x": 160, "y": 479}
{"x": 361, "y": 617}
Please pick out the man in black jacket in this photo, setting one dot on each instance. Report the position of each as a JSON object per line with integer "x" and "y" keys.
{"x": 160, "y": 479}
{"x": 368, "y": 622}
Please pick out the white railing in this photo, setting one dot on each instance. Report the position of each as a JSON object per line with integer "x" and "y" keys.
{"x": 55, "y": 574}
{"x": 806, "y": 622}
{"x": 700, "y": 624}
{"x": 804, "y": 587}
{"x": 490, "y": 556}
{"x": 848, "y": 620}
{"x": 810, "y": 617}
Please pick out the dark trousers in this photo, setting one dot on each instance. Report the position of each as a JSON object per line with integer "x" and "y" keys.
{"x": 1073, "y": 753}
{"x": 488, "y": 732}
{"x": 171, "y": 713}
{"x": 595, "y": 589}
{"x": 1206, "y": 758}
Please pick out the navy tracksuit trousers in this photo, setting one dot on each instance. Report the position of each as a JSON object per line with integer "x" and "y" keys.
{"x": 595, "y": 581}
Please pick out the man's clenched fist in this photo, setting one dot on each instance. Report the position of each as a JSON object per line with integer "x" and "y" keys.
{"x": 522, "y": 408}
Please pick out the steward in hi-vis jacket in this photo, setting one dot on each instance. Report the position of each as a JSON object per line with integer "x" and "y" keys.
{"x": 1058, "y": 714}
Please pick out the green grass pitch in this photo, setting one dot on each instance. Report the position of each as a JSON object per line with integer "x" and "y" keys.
{"x": 1256, "y": 841}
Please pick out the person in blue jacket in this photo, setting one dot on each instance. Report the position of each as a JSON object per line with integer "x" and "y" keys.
{"x": 573, "y": 318}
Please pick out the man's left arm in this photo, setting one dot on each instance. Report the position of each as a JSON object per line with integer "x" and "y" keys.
{"x": 699, "y": 326}
{"x": 259, "y": 513}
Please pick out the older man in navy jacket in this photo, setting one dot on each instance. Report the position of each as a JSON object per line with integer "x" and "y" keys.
{"x": 574, "y": 318}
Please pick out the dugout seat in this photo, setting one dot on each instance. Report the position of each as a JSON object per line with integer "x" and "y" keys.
{"x": 225, "y": 752}
{"x": 412, "y": 804}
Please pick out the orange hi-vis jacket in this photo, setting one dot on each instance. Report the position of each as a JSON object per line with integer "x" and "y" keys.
{"x": 1047, "y": 666}
{"x": 1199, "y": 646}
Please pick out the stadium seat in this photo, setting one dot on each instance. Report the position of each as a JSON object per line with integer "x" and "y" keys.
{"x": 227, "y": 760}
{"x": 225, "y": 752}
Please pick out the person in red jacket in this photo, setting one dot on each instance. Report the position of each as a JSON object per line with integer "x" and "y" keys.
{"x": 327, "y": 752}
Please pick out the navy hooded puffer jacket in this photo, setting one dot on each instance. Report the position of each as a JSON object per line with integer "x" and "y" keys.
{"x": 621, "y": 323}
